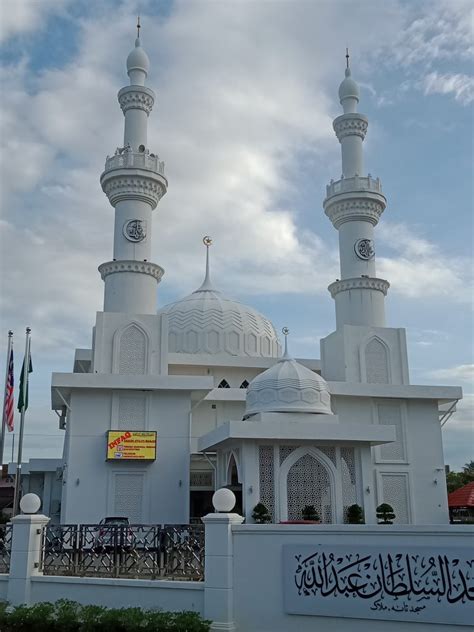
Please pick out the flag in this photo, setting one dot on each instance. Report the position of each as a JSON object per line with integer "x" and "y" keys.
{"x": 8, "y": 403}
{"x": 23, "y": 396}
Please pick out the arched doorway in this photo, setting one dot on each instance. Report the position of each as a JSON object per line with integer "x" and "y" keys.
{"x": 305, "y": 479}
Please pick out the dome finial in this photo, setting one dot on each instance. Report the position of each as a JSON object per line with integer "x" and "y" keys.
{"x": 285, "y": 331}
{"x": 207, "y": 285}
{"x": 138, "y": 27}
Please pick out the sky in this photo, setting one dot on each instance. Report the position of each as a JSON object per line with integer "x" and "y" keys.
{"x": 246, "y": 92}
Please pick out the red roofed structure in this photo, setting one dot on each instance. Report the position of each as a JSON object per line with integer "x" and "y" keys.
{"x": 462, "y": 497}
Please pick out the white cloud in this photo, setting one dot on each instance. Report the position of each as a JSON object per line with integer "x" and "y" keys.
{"x": 460, "y": 373}
{"x": 23, "y": 16}
{"x": 420, "y": 268}
{"x": 462, "y": 86}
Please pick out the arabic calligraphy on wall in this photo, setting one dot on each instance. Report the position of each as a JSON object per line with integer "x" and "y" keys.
{"x": 405, "y": 583}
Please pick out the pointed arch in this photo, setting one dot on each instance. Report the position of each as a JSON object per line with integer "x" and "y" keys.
{"x": 375, "y": 361}
{"x": 223, "y": 384}
{"x": 311, "y": 463}
{"x": 131, "y": 344}
{"x": 245, "y": 384}
{"x": 232, "y": 469}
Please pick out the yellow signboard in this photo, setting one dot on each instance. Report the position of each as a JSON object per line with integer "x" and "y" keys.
{"x": 131, "y": 445}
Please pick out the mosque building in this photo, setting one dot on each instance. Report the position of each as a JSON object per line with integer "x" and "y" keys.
{"x": 168, "y": 405}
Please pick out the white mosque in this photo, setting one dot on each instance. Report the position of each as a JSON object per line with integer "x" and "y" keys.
{"x": 167, "y": 406}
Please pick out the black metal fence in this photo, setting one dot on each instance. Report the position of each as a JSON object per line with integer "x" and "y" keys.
{"x": 174, "y": 552}
{"x": 5, "y": 547}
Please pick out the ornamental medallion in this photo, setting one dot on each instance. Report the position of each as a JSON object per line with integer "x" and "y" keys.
{"x": 364, "y": 249}
{"x": 134, "y": 230}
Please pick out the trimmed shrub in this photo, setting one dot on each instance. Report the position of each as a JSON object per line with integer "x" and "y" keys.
{"x": 385, "y": 514}
{"x": 261, "y": 514}
{"x": 355, "y": 514}
{"x": 69, "y": 616}
{"x": 309, "y": 513}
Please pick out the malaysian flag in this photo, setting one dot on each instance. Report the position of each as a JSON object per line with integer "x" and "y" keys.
{"x": 8, "y": 404}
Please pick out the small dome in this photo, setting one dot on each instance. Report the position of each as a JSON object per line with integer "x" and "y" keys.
{"x": 138, "y": 59}
{"x": 348, "y": 88}
{"x": 288, "y": 387}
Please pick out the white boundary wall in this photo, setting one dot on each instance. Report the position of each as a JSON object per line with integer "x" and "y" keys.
{"x": 246, "y": 585}
{"x": 258, "y": 572}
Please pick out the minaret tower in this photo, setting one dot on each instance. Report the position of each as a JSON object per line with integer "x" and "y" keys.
{"x": 134, "y": 182}
{"x": 354, "y": 205}
{"x": 363, "y": 348}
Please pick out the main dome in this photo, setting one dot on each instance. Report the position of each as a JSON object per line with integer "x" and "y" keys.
{"x": 288, "y": 387}
{"x": 207, "y": 322}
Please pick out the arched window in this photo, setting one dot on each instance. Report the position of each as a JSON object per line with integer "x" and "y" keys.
{"x": 244, "y": 384}
{"x": 223, "y": 384}
{"x": 376, "y": 362}
{"x": 132, "y": 351}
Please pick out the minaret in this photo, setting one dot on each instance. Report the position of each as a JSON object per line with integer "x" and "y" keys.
{"x": 354, "y": 205}
{"x": 134, "y": 182}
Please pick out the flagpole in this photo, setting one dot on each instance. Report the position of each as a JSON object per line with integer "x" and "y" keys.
{"x": 2, "y": 436}
{"x": 26, "y": 366}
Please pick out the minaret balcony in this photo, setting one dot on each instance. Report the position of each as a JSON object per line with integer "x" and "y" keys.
{"x": 357, "y": 183}
{"x": 125, "y": 157}
{"x": 134, "y": 175}
{"x": 359, "y": 198}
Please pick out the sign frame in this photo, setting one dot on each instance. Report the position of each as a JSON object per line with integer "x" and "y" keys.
{"x": 120, "y": 438}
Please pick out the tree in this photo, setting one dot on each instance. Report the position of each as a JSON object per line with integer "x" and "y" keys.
{"x": 261, "y": 514}
{"x": 385, "y": 514}
{"x": 309, "y": 513}
{"x": 355, "y": 514}
{"x": 455, "y": 480}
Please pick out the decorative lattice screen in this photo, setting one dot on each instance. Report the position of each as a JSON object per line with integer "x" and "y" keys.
{"x": 128, "y": 496}
{"x": 308, "y": 483}
{"x": 376, "y": 362}
{"x": 132, "y": 355}
{"x": 395, "y": 493}
{"x": 390, "y": 414}
{"x": 131, "y": 411}
{"x": 267, "y": 482}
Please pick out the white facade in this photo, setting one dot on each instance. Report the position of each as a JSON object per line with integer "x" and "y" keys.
{"x": 183, "y": 372}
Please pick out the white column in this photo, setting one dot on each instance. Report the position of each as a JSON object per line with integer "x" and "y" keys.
{"x": 368, "y": 485}
{"x": 219, "y": 571}
{"x": 25, "y": 556}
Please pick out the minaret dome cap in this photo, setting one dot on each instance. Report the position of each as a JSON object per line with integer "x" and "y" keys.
{"x": 138, "y": 59}
{"x": 348, "y": 88}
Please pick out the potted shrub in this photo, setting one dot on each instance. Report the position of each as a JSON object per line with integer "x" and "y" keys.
{"x": 355, "y": 514}
{"x": 261, "y": 514}
{"x": 310, "y": 514}
{"x": 385, "y": 514}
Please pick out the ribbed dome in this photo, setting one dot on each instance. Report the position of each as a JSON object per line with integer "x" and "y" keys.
{"x": 138, "y": 59}
{"x": 208, "y": 322}
{"x": 348, "y": 88}
{"x": 288, "y": 387}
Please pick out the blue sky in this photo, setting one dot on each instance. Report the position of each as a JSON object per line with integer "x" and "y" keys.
{"x": 246, "y": 94}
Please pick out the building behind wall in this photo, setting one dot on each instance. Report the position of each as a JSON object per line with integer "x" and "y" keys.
{"x": 183, "y": 371}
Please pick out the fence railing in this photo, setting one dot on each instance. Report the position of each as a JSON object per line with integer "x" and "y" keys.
{"x": 5, "y": 547}
{"x": 174, "y": 552}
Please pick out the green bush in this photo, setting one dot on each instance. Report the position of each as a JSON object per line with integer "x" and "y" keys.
{"x": 385, "y": 514}
{"x": 309, "y": 513}
{"x": 355, "y": 514}
{"x": 69, "y": 616}
{"x": 261, "y": 514}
